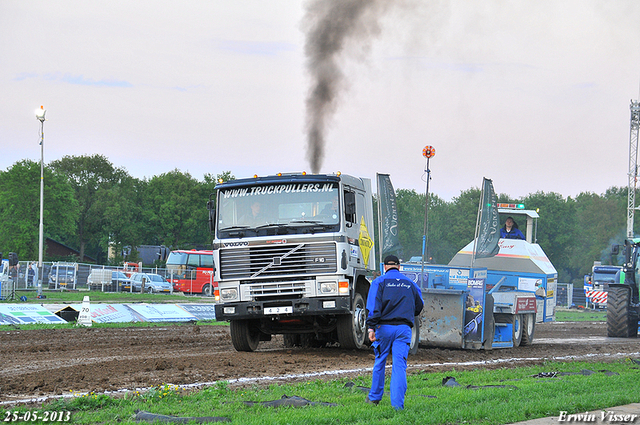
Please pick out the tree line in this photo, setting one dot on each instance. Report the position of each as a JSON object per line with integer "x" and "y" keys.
{"x": 90, "y": 204}
{"x": 573, "y": 232}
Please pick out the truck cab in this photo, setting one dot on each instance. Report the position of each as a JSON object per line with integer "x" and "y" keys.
{"x": 596, "y": 285}
{"x": 292, "y": 254}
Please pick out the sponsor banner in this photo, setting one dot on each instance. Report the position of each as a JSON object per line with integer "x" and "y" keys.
{"x": 16, "y": 314}
{"x": 459, "y": 276}
{"x": 415, "y": 276}
{"x": 529, "y": 284}
{"x": 390, "y": 238}
{"x": 201, "y": 311}
{"x": 489, "y": 231}
{"x": 111, "y": 313}
{"x": 474, "y": 310}
{"x": 162, "y": 313}
{"x": 526, "y": 305}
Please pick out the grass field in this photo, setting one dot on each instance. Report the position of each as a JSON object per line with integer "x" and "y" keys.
{"x": 496, "y": 397}
{"x": 580, "y": 316}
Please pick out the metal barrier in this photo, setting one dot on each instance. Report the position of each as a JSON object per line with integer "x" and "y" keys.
{"x": 27, "y": 275}
{"x": 565, "y": 295}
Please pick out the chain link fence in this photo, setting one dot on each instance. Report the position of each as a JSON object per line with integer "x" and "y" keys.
{"x": 74, "y": 276}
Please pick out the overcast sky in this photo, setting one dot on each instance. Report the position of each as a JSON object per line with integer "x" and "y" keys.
{"x": 531, "y": 94}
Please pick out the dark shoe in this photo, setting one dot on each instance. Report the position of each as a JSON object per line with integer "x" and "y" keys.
{"x": 371, "y": 401}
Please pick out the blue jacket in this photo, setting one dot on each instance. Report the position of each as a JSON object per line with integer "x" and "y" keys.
{"x": 397, "y": 300}
{"x": 513, "y": 234}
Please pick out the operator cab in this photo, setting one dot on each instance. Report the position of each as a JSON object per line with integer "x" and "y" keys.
{"x": 520, "y": 215}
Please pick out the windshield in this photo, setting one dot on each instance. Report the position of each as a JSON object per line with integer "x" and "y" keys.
{"x": 607, "y": 277}
{"x": 278, "y": 209}
{"x": 177, "y": 258}
{"x": 604, "y": 277}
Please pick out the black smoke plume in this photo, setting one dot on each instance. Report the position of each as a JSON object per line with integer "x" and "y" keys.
{"x": 334, "y": 28}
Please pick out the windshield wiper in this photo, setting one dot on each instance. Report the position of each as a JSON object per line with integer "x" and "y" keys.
{"x": 265, "y": 226}
{"x": 305, "y": 221}
{"x": 241, "y": 227}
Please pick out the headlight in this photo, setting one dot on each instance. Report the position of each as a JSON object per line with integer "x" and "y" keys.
{"x": 328, "y": 288}
{"x": 229, "y": 294}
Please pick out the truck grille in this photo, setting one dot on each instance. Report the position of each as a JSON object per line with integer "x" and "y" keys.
{"x": 277, "y": 261}
{"x": 279, "y": 290}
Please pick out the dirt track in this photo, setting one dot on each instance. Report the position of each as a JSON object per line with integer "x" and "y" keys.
{"x": 39, "y": 363}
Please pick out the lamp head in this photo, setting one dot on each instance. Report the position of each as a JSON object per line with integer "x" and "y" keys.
{"x": 40, "y": 113}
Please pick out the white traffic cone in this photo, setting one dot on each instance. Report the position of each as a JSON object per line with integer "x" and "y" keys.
{"x": 84, "y": 318}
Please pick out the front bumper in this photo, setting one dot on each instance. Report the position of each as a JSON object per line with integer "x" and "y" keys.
{"x": 283, "y": 309}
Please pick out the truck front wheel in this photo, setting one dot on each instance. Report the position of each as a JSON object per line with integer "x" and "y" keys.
{"x": 352, "y": 328}
{"x": 244, "y": 336}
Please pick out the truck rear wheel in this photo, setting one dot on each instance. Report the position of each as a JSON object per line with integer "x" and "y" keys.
{"x": 619, "y": 323}
{"x": 415, "y": 336}
{"x": 528, "y": 327}
{"x": 244, "y": 336}
{"x": 352, "y": 328}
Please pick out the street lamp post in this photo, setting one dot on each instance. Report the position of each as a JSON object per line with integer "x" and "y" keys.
{"x": 40, "y": 116}
{"x": 428, "y": 152}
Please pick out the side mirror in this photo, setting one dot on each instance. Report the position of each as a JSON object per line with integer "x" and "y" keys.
{"x": 211, "y": 206}
{"x": 615, "y": 249}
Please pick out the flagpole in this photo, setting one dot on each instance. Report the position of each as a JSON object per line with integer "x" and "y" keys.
{"x": 428, "y": 152}
{"x": 380, "y": 259}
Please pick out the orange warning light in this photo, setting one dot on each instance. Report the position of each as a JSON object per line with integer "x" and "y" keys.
{"x": 428, "y": 152}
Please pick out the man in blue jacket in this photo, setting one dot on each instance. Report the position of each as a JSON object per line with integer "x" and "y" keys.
{"x": 510, "y": 230}
{"x": 394, "y": 300}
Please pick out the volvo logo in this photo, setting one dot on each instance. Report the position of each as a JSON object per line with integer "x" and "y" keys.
{"x": 228, "y": 244}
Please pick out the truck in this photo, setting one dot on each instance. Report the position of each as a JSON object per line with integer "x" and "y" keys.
{"x": 623, "y": 303}
{"x": 596, "y": 284}
{"x": 292, "y": 254}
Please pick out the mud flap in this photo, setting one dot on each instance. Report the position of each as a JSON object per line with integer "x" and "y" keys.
{"x": 489, "y": 322}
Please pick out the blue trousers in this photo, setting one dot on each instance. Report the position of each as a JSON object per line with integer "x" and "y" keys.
{"x": 397, "y": 339}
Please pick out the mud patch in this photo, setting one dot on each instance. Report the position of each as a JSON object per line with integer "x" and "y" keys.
{"x": 59, "y": 361}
